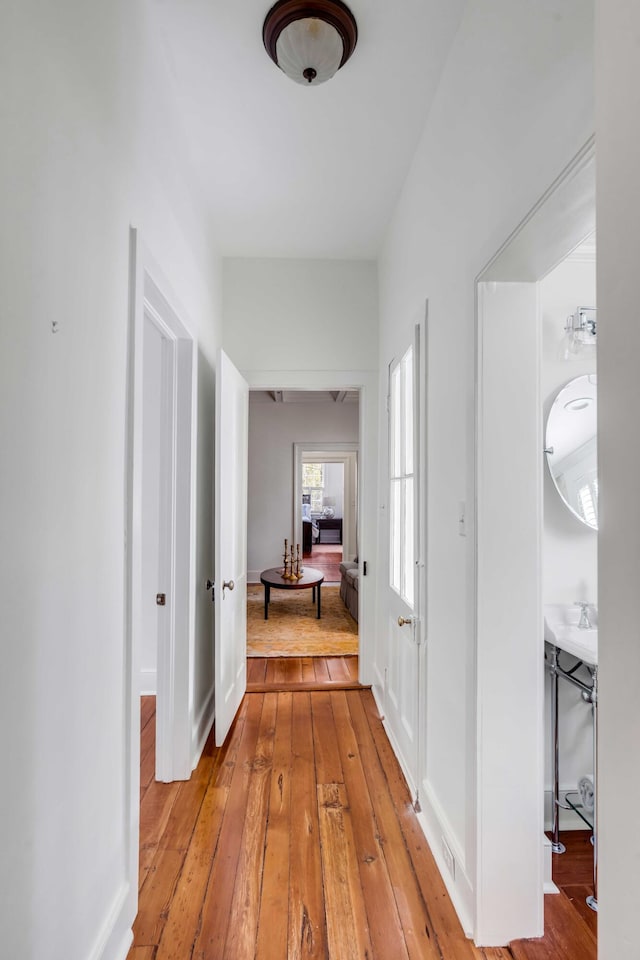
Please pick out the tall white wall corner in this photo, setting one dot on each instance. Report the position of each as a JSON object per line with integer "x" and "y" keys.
{"x": 509, "y": 604}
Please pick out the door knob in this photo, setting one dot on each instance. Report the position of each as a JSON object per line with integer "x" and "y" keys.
{"x": 228, "y": 583}
{"x": 402, "y": 621}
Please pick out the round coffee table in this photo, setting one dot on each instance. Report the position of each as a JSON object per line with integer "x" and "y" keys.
{"x": 311, "y": 579}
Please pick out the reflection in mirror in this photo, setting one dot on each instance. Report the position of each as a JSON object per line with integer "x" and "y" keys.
{"x": 571, "y": 447}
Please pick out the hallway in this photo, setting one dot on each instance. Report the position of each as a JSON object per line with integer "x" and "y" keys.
{"x": 297, "y": 839}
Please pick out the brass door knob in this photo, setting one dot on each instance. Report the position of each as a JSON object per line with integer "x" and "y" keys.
{"x": 402, "y": 621}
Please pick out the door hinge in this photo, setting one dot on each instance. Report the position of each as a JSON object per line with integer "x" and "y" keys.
{"x": 161, "y": 599}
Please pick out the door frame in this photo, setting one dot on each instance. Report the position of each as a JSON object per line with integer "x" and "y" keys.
{"x": 366, "y": 383}
{"x": 150, "y": 293}
{"x": 563, "y": 216}
{"x": 345, "y": 453}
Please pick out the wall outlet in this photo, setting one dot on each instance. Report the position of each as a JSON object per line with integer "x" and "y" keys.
{"x": 449, "y": 858}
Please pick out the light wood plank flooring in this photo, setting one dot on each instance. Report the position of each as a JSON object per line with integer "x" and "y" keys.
{"x": 297, "y": 839}
{"x": 267, "y": 674}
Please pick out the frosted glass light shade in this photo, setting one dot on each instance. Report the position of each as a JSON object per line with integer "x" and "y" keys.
{"x": 310, "y": 39}
{"x": 309, "y": 51}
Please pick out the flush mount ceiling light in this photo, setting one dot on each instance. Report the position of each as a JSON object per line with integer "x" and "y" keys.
{"x": 310, "y": 41}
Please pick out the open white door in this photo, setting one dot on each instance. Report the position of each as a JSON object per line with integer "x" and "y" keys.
{"x": 231, "y": 471}
{"x": 404, "y": 692}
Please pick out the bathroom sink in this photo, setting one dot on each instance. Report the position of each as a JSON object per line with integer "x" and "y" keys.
{"x": 562, "y": 630}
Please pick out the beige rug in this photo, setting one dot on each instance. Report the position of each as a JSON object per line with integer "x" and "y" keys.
{"x": 293, "y": 629}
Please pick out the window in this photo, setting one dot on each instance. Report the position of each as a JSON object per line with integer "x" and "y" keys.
{"x": 313, "y": 485}
{"x": 401, "y": 476}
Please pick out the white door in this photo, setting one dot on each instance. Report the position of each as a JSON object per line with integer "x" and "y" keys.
{"x": 403, "y": 688}
{"x": 231, "y": 472}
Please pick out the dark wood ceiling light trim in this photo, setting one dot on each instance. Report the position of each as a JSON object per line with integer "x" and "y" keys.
{"x": 331, "y": 11}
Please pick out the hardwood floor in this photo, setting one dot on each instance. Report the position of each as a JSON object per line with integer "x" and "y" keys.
{"x": 267, "y": 674}
{"x": 573, "y": 873}
{"x": 297, "y": 839}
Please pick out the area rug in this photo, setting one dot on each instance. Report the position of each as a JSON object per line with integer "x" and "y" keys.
{"x": 293, "y": 629}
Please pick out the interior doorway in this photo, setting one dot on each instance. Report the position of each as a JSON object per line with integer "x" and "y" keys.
{"x": 315, "y": 433}
{"x": 160, "y": 482}
{"x": 509, "y": 524}
{"x": 325, "y": 505}
{"x": 335, "y": 383}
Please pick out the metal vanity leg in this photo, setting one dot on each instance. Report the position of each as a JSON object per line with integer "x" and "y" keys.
{"x": 556, "y": 846}
{"x": 592, "y": 901}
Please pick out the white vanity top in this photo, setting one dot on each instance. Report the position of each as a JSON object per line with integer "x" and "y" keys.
{"x": 561, "y": 629}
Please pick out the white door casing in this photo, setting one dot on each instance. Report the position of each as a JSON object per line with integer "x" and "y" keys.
{"x": 150, "y": 299}
{"x": 330, "y": 452}
{"x": 231, "y": 481}
{"x": 510, "y": 643}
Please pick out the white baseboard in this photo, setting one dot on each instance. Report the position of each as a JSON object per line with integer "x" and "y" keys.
{"x": 549, "y": 885}
{"x": 201, "y": 728}
{"x": 394, "y": 744}
{"x": 116, "y": 936}
{"x": 436, "y": 828}
{"x": 148, "y": 683}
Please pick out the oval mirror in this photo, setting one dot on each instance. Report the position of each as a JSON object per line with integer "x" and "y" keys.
{"x": 571, "y": 447}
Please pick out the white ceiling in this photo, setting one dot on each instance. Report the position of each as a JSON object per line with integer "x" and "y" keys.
{"x": 294, "y": 171}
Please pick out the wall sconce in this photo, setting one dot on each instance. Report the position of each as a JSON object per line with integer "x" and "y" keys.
{"x": 311, "y": 40}
{"x": 579, "y": 333}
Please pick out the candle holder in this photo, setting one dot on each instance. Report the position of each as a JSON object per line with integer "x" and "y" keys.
{"x": 288, "y": 572}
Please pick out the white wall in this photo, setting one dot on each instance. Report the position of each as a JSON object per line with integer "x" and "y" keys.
{"x": 570, "y": 549}
{"x": 301, "y": 314}
{"x": 273, "y": 429}
{"x": 618, "y": 212}
{"x": 334, "y": 486}
{"x": 514, "y": 105}
{"x": 92, "y": 145}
